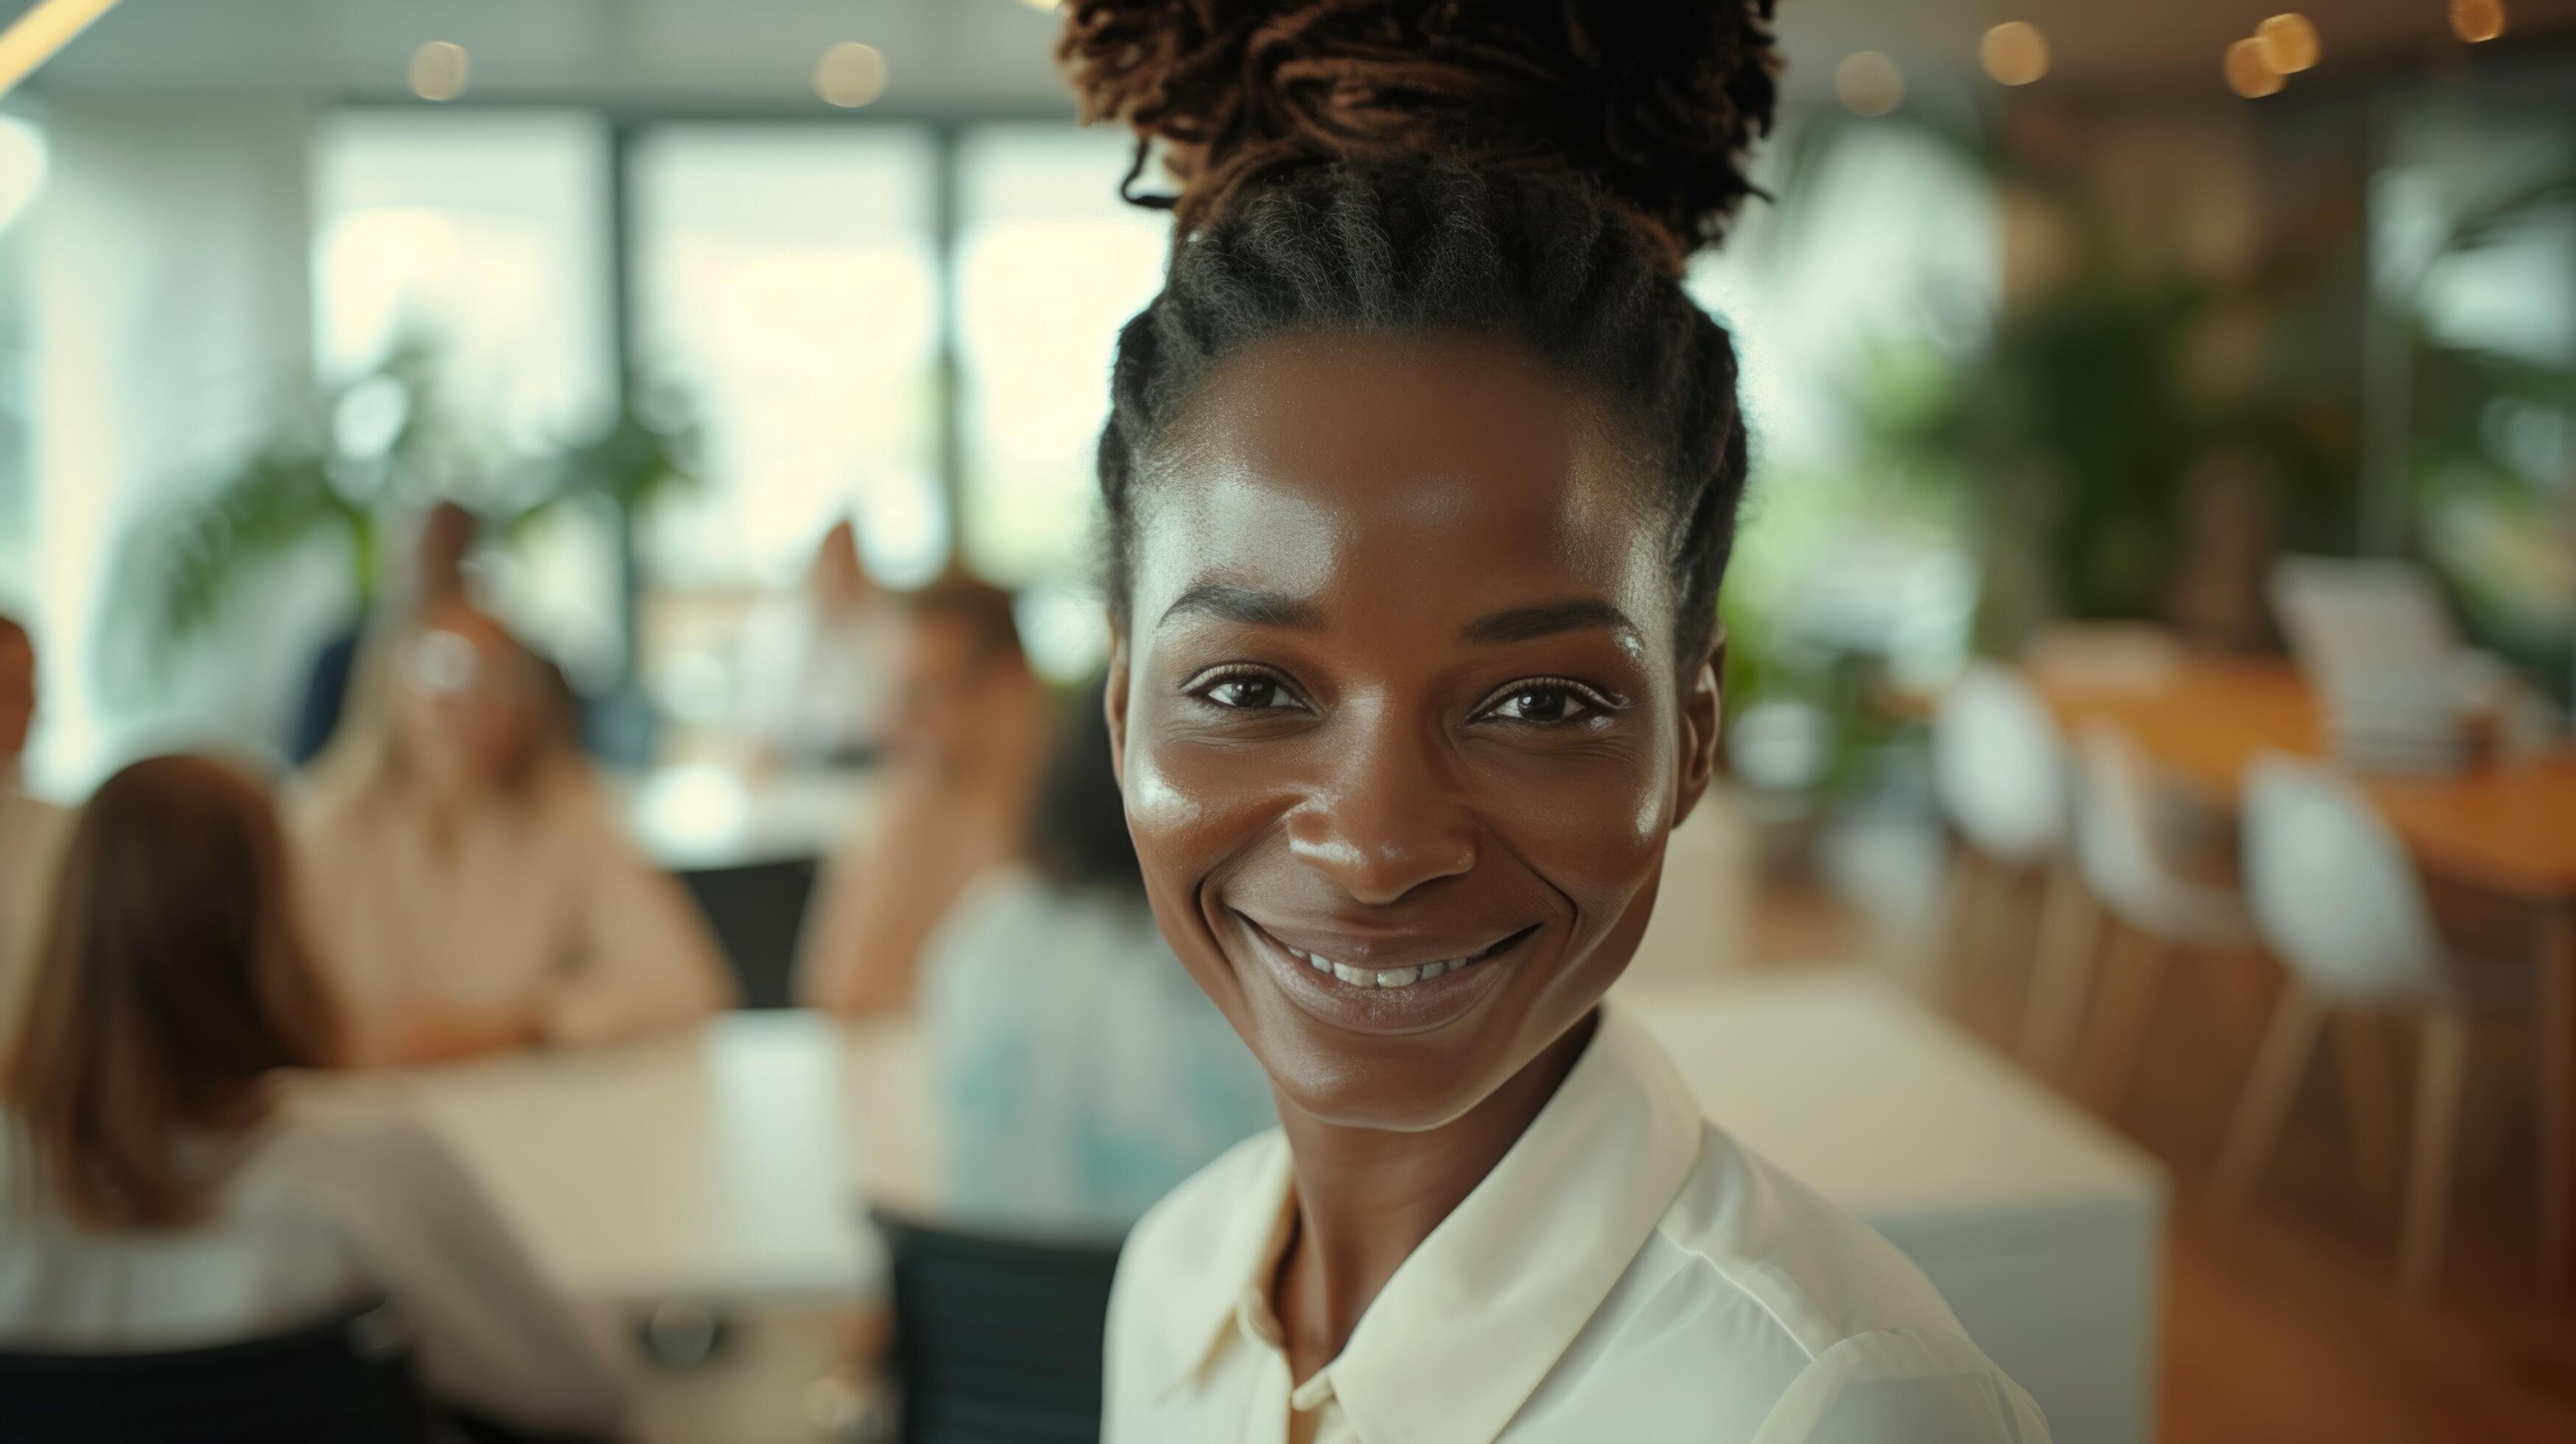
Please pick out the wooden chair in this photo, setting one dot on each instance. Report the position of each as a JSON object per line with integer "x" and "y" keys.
{"x": 2339, "y": 900}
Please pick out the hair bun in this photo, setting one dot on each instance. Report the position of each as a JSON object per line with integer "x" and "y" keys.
{"x": 1655, "y": 101}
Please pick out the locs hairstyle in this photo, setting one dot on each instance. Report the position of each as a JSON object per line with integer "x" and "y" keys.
{"x": 1533, "y": 169}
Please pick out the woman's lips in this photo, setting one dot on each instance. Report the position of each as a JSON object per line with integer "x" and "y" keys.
{"x": 1406, "y": 986}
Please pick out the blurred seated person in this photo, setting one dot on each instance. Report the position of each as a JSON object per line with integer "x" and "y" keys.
{"x": 817, "y": 664}
{"x": 160, "y": 1187}
{"x": 1080, "y": 1073}
{"x": 30, "y": 830}
{"x": 439, "y": 554}
{"x": 966, "y": 744}
{"x": 468, "y": 881}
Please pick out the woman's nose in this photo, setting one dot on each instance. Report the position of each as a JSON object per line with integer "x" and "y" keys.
{"x": 1389, "y": 819}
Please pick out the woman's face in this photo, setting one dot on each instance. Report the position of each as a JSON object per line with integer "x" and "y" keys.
{"x": 467, "y": 701}
{"x": 1398, "y": 719}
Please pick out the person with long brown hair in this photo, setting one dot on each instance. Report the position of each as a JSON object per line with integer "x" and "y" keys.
{"x": 470, "y": 885}
{"x": 158, "y": 1186}
{"x": 1421, "y": 473}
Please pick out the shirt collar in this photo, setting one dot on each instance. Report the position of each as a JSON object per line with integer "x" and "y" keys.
{"x": 1476, "y": 1317}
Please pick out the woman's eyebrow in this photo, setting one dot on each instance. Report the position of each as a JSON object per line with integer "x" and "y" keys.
{"x": 1521, "y": 624}
{"x": 1250, "y": 605}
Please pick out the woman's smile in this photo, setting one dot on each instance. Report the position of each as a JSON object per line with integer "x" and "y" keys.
{"x": 1386, "y": 983}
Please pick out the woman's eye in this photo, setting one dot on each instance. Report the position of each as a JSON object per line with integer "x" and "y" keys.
{"x": 1543, "y": 703}
{"x": 1244, "y": 694}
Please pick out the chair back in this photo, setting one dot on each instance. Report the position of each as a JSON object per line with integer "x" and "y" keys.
{"x": 997, "y": 1340}
{"x": 2115, "y": 825}
{"x": 2348, "y": 619}
{"x": 346, "y": 1379}
{"x": 757, "y": 912}
{"x": 2333, "y": 889}
{"x": 1997, "y": 765}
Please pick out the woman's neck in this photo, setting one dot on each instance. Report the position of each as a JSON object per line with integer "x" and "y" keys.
{"x": 1368, "y": 1197}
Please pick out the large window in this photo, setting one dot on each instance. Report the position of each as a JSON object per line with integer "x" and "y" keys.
{"x": 902, "y": 325}
{"x": 22, "y": 172}
{"x": 788, "y": 286}
{"x": 480, "y": 236}
{"x": 1050, "y": 264}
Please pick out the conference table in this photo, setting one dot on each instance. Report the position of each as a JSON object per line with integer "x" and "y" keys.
{"x": 725, "y": 1168}
{"x": 2506, "y": 827}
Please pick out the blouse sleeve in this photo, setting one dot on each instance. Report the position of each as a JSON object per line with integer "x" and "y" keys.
{"x": 488, "y": 1331}
{"x": 1903, "y": 1387}
{"x": 646, "y": 960}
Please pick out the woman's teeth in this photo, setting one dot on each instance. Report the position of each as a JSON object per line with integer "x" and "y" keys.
{"x": 1384, "y": 977}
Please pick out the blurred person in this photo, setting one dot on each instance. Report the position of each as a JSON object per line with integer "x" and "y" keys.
{"x": 30, "y": 830}
{"x": 1080, "y": 1073}
{"x": 967, "y": 741}
{"x": 160, "y": 1185}
{"x": 818, "y": 663}
{"x": 439, "y": 553}
{"x": 471, "y": 887}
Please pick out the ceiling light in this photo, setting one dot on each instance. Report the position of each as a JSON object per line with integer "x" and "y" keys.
{"x": 439, "y": 70}
{"x": 850, "y": 74}
{"x": 33, "y": 38}
{"x": 2014, "y": 52}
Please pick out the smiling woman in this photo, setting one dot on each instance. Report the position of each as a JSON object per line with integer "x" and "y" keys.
{"x": 1422, "y": 470}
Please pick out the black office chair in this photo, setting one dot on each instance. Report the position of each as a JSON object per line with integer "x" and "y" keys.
{"x": 756, "y": 911}
{"x": 344, "y": 1380}
{"x": 997, "y": 1340}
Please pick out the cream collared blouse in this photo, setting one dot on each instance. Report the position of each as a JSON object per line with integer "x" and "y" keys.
{"x": 1626, "y": 1273}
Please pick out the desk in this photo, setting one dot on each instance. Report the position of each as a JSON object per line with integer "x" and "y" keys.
{"x": 2507, "y": 828}
{"x": 726, "y": 1165}
{"x": 2043, "y": 1229}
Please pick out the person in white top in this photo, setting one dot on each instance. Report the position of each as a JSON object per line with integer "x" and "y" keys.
{"x": 467, "y": 884}
{"x": 31, "y": 830}
{"x": 1080, "y": 1074}
{"x": 1421, "y": 473}
{"x": 818, "y": 666}
{"x": 159, "y": 1190}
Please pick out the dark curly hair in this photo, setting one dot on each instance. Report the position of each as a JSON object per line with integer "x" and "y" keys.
{"x": 1532, "y": 169}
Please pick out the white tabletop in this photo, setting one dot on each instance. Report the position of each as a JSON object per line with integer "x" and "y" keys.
{"x": 729, "y": 1165}
{"x": 1845, "y": 1080}
{"x": 732, "y": 1163}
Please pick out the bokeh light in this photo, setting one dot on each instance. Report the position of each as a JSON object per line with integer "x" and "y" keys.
{"x": 2014, "y": 53}
{"x": 2289, "y": 43}
{"x": 439, "y": 70}
{"x": 850, "y": 75}
{"x": 2249, "y": 71}
{"x": 1869, "y": 82}
{"x": 2477, "y": 21}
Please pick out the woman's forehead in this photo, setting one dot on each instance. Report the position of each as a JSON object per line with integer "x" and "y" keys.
{"x": 1413, "y": 473}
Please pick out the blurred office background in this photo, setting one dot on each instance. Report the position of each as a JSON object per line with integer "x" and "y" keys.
{"x": 2065, "y": 324}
